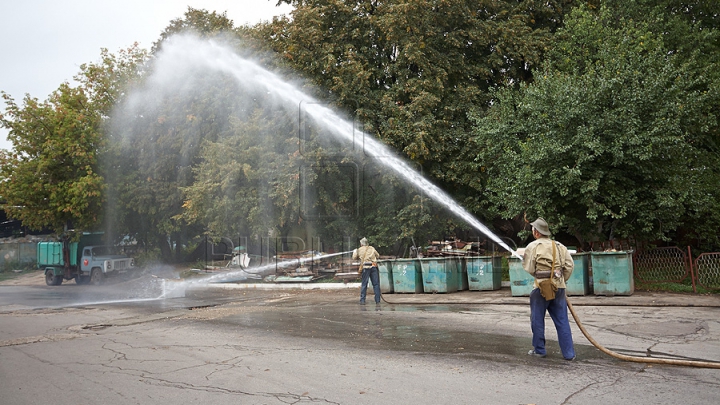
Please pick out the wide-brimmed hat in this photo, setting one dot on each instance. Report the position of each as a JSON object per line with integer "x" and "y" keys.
{"x": 363, "y": 242}
{"x": 541, "y": 226}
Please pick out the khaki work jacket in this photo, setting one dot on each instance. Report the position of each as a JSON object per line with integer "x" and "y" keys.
{"x": 367, "y": 254}
{"x": 538, "y": 257}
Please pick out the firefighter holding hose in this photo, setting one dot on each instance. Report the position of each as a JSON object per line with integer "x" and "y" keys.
{"x": 368, "y": 268}
{"x": 550, "y": 263}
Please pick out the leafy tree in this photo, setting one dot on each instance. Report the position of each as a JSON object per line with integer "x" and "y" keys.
{"x": 246, "y": 183}
{"x": 109, "y": 80}
{"x": 53, "y": 178}
{"x": 613, "y": 137}
{"x": 158, "y": 134}
{"x": 157, "y": 147}
{"x": 108, "y": 83}
{"x": 268, "y": 185}
{"x": 411, "y": 70}
{"x": 199, "y": 22}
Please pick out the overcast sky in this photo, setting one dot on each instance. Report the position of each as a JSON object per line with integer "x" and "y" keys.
{"x": 44, "y": 42}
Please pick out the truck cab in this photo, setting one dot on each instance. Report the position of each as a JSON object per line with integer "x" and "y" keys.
{"x": 96, "y": 262}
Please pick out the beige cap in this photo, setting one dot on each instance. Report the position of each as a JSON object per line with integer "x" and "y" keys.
{"x": 541, "y": 226}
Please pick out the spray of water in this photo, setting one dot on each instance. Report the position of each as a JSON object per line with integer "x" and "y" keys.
{"x": 187, "y": 55}
{"x": 175, "y": 289}
{"x": 232, "y": 275}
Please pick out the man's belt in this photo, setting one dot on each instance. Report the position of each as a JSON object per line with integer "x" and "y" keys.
{"x": 541, "y": 274}
{"x": 367, "y": 264}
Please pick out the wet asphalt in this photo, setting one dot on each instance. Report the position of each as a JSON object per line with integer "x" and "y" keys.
{"x": 246, "y": 345}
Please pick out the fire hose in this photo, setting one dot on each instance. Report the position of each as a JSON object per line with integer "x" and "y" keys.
{"x": 637, "y": 359}
{"x": 624, "y": 357}
{"x": 619, "y": 356}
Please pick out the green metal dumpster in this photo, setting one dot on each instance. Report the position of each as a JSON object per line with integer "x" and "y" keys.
{"x": 612, "y": 273}
{"x": 521, "y": 282}
{"x": 386, "y": 277}
{"x": 439, "y": 275}
{"x": 484, "y": 272}
{"x": 407, "y": 276}
{"x": 579, "y": 281}
{"x": 462, "y": 277}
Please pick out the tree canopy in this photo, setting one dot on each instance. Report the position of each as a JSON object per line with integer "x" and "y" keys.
{"x": 410, "y": 70}
{"x": 53, "y": 177}
{"x": 599, "y": 115}
{"x": 615, "y": 137}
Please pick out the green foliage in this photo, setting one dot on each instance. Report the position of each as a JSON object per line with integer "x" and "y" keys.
{"x": 51, "y": 178}
{"x": 411, "y": 70}
{"x": 158, "y": 138}
{"x": 196, "y": 21}
{"x": 112, "y": 77}
{"x": 247, "y": 181}
{"x": 148, "y": 258}
{"x": 613, "y": 139}
{"x": 604, "y": 121}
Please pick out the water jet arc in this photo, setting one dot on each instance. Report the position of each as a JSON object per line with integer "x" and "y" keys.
{"x": 187, "y": 52}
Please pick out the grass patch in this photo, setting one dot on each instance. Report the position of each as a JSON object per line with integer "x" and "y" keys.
{"x": 684, "y": 287}
{"x": 505, "y": 269}
{"x": 329, "y": 279}
{"x": 194, "y": 273}
{"x": 9, "y": 270}
{"x": 7, "y": 275}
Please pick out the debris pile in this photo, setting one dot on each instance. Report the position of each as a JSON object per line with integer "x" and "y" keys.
{"x": 309, "y": 266}
{"x": 455, "y": 247}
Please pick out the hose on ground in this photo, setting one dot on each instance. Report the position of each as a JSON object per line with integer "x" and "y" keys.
{"x": 637, "y": 359}
{"x": 624, "y": 357}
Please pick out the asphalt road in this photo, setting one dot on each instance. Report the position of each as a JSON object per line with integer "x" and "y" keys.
{"x": 64, "y": 345}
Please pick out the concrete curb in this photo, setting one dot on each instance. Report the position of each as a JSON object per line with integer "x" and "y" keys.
{"x": 502, "y": 296}
{"x": 283, "y": 286}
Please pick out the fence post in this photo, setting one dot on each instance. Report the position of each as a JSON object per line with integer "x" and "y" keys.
{"x": 692, "y": 272}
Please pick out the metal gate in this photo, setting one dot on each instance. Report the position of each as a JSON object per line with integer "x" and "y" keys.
{"x": 707, "y": 268}
{"x": 661, "y": 265}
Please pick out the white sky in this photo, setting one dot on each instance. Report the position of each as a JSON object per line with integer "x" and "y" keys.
{"x": 44, "y": 42}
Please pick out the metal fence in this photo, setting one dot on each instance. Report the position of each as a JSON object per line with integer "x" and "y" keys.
{"x": 707, "y": 270}
{"x": 662, "y": 265}
{"x": 674, "y": 265}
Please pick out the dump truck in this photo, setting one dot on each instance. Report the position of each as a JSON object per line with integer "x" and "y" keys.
{"x": 86, "y": 260}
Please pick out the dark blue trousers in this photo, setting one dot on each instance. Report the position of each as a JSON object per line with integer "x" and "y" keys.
{"x": 557, "y": 309}
{"x": 373, "y": 275}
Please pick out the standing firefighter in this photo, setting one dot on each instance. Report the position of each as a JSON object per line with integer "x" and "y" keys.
{"x": 368, "y": 267}
{"x": 551, "y": 265}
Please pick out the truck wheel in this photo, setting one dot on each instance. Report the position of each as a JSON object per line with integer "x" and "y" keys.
{"x": 51, "y": 278}
{"x": 82, "y": 280}
{"x": 96, "y": 277}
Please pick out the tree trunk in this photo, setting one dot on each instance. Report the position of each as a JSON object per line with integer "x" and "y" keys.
{"x": 165, "y": 250}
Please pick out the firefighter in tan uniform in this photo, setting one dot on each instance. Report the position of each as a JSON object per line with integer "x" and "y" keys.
{"x": 368, "y": 257}
{"x": 551, "y": 265}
